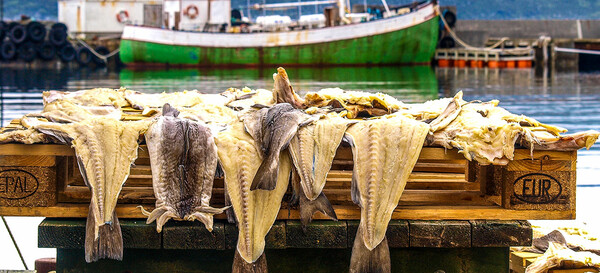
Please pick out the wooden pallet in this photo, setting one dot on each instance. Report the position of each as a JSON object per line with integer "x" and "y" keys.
{"x": 43, "y": 180}
{"x": 520, "y": 260}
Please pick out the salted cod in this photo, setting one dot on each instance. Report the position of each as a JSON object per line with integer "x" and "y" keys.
{"x": 272, "y": 129}
{"x": 183, "y": 158}
{"x": 256, "y": 210}
{"x": 105, "y": 149}
{"x": 312, "y": 149}
{"x": 385, "y": 151}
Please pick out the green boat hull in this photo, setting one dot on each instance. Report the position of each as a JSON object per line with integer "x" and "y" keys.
{"x": 412, "y": 45}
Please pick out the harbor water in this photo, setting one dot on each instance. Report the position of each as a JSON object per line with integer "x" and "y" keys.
{"x": 567, "y": 99}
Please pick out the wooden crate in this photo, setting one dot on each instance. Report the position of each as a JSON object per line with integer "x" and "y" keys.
{"x": 443, "y": 185}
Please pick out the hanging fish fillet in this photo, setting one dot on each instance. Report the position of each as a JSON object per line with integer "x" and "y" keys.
{"x": 255, "y": 211}
{"x": 385, "y": 151}
{"x": 272, "y": 129}
{"x": 313, "y": 149}
{"x": 105, "y": 149}
{"x": 183, "y": 158}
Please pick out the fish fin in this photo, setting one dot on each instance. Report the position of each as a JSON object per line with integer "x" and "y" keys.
{"x": 205, "y": 218}
{"x": 266, "y": 176}
{"x": 144, "y": 211}
{"x": 364, "y": 260}
{"x": 163, "y": 218}
{"x": 354, "y": 191}
{"x": 308, "y": 208}
{"x": 109, "y": 243}
{"x": 229, "y": 211}
{"x": 241, "y": 266}
{"x": 259, "y": 106}
{"x": 168, "y": 110}
{"x": 60, "y": 137}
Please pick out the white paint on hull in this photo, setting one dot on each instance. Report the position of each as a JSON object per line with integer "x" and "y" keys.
{"x": 274, "y": 39}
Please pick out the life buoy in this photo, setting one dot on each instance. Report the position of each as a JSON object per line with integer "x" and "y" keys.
{"x": 123, "y": 16}
{"x": 191, "y": 11}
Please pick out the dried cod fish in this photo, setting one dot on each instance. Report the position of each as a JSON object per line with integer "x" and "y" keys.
{"x": 149, "y": 103}
{"x": 385, "y": 151}
{"x": 284, "y": 92}
{"x": 65, "y": 111}
{"x": 313, "y": 149}
{"x": 105, "y": 149}
{"x": 183, "y": 158}
{"x": 255, "y": 211}
{"x": 91, "y": 97}
{"x": 272, "y": 129}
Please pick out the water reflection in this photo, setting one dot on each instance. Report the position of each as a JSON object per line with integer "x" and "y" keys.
{"x": 567, "y": 99}
{"x": 414, "y": 83}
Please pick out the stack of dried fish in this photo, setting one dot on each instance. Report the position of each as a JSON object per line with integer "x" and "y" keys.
{"x": 262, "y": 139}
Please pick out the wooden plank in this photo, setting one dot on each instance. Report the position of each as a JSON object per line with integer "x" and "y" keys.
{"x": 540, "y": 165}
{"x": 397, "y": 233}
{"x": 525, "y": 154}
{"x": 344, "y": 212}
{"x": 493, "y": 233}
{"x": 193, "y": 235}
{"x": 318, "y": 234}
{"x": 439, "y": 233}
{"x": 27, "y": 160}
{"x": 574, "y": 270}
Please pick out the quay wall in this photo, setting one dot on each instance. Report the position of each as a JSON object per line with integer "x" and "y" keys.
{"x": 476, "y": 32}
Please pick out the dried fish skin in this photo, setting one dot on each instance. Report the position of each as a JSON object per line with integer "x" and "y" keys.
{"x": 313, "y": 148}
{"x": 272, "y": 129}
{"x": 256, "y": 210}
{"x": 105, "y": 149}
{"x": 65, "y": 111}
{"x": 150, "y": 102}
{"x": 91, "y": 97}
{"x": 183, "y": 159}
{"x": 385, "y": 152}
{"x": 356, "y": 103}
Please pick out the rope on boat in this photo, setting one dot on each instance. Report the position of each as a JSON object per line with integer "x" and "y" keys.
{"x": 576, "y": 50}
{"x": 104, "y": 58}
{"x": 14, "y": 243}
{"x": 465, "y": 45}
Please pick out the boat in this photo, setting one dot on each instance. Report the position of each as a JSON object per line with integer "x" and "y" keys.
{"x": 408, "y": 38}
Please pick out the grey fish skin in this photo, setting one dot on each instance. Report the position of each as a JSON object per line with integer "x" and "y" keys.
{"x": 364, "y": 260}
{"x": 241, "y": 266}
{"x": 272, "y": 129}
{"x": 183, "y": 158}
{"x": 309, "y": 207}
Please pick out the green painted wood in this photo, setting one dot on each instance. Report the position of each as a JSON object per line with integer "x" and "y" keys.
{"x": 274, "y": 239}
{"x": 318, "y": 234}
{"x": 193, "y": 235}
{"x": 492, "y": 233}
{"x": 440, "y": 234}
{"x": 70, "y": 234}
{"x": 295, "y": 260}
{"x": 396, "y": 234}
{"x": 415, "y": 44}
